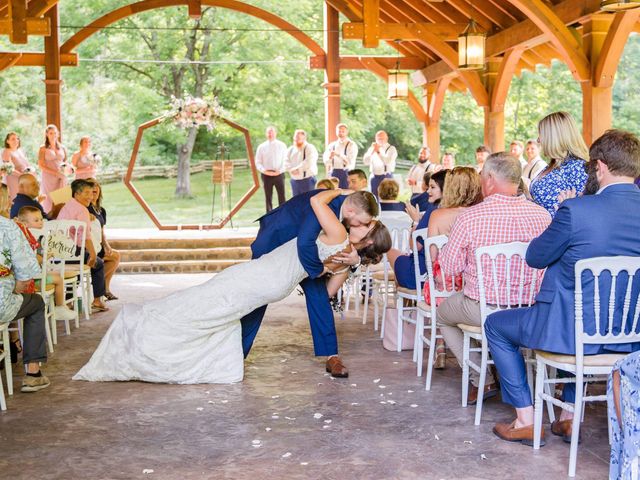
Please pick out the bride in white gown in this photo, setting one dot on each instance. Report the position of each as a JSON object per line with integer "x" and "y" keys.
{"x": 194, "y": 335}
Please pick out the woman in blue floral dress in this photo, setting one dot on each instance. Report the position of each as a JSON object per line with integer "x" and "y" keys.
{"x": 563, "y": 145}
{"x": 623, "y": 398}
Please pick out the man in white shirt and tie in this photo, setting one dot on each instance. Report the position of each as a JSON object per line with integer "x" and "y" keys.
{"x": 381, "y": 159}
{"x": 535, "y": 164}
{"x": 302, "y": 164}
{"x": 416, "y": 173}
{"x": 270, "y": 158}
{"x": 340, "y": 156}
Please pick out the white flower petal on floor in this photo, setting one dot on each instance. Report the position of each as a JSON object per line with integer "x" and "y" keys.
{"x": 200, "y": 409}
{"x": 355, "y": 404}
{"x": 376, "y": 380}
{"x": 328, "y": 421}
{"x": 267, "y": 429}
{"x": 304, "y": 463}
{"x": 483, "y": 456}
{"x": 290, "y": 418}
{"x": 413, "y": 405}
{"x": 468, "y": 441}
{"x": 317, "y": 416}
{"x": 437, "y": 437}
{"x": 382, "y": 386}
{"x": 286, "y": 455}
{"x": 409, "y": 391}
{"x": 147, "y": 471}
{"x": 275, "y": 396}
{"x": 354, "y": 384}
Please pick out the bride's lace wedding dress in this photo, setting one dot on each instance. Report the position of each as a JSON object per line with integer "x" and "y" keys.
{"x": 194, "y": 335}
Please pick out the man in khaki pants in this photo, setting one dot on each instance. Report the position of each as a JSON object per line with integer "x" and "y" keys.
{"x": 502, "y": 217}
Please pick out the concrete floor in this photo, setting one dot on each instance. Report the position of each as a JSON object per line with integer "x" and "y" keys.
{"x": 265, "y": 427}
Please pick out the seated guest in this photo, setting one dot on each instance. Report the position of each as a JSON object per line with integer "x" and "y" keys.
{"x": 502, "y": 217}
{"x": 624, "y": 411}
{"x": 562, "y": 143}
{"x": 31, "y": 217}
{"x": 460, "y": 191}
{"x": 77, "y": 209}
{"x": 28, "y": 191}
{"x": 421, "y": 202}
{"x": 590, "y": 226}
{"x": 328, "y": 183}
{"x": 109, "y": 256}
{"x": 19, "y": 265}
{"x": 388, "y": 191}
{"x": 358, "y": 180}
{"x": 482, "y": 152}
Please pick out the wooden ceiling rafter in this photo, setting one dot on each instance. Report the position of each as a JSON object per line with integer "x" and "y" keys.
{"x": 470, "y": 12}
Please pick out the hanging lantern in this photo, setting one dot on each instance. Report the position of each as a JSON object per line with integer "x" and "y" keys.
{"x": 398, "y": 85}
{"x": 617, "y": 5}
{"x": 471, "y": 48}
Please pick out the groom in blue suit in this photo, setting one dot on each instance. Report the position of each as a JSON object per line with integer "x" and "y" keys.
{"x": 604, "y": 224}
{"x": 295, "y": 219}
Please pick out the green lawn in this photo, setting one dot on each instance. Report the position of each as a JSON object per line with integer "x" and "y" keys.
{"x": 124, "y": 211}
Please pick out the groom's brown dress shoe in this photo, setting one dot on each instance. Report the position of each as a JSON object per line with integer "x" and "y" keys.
{"x": 336, "y": 368}
{"x": 563, "y": 428}
{"x": 524, "y": 435}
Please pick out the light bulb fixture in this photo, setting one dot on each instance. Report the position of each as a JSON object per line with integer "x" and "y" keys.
{"x": 398, "y": 81}
{"x": 617, "y": 5}
{"x": 471, "y": 48}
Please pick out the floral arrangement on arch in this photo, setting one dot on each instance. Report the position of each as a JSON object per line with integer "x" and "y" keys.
{"x": 195, "y": 112}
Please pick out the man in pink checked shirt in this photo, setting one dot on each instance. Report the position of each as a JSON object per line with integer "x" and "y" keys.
{"x": 502, "y": 217}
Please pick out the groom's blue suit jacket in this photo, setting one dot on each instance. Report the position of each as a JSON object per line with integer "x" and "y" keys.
{"x": 295, "y": 219}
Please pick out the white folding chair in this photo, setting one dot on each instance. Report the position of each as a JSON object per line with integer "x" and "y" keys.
{"x": 426, "y": 311}
{"x": 63, "y": 238}
{"x": 620, "y": 325}
{"x": 520, "y": 280}
{"x": 384, "y": 282}
{"x": 5, "y": 355}
{"x": 411, "y": 295}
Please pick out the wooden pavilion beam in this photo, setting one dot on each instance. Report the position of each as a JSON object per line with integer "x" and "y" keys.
{"x": 18, "y": 24}
{"x": 404, "y": 31}
{"x": 53, "y": 78}
{"x": 524, "y": 33}
{"x": 331, "y": 72}
{"x": 605, "y": 69}
{"x": 36, "y": 59}
{"x": 37, "y": 8}
{"x": 559, "y": 35}
{"x": 371, "y": 23}
{"x": 353, "y": 62}
{"x": 8, "y": 60}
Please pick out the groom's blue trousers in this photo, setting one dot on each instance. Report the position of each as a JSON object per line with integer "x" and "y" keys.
{"x": 323, "y": 328}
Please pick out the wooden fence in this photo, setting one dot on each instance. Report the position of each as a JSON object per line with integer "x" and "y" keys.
{"x": 115, "y": 174}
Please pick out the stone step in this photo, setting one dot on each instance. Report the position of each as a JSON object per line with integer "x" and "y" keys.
{"x": 186, "y": 266}
{"x": 181, "y": 254}
{"x": 179, "y": 243}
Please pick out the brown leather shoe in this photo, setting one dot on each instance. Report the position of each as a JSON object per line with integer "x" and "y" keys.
{"x": 490, "y": 391}
{"x": 524, "y": 435}
{"x": 336, "y": 368}
{"x": 563, "y": 429}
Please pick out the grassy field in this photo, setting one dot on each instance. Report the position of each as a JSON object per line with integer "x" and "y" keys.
{"x": 124, "y": 211}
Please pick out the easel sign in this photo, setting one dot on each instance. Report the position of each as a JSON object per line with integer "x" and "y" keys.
{"x": 222, "y": 172}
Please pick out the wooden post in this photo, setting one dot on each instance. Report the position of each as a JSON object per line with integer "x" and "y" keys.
{"x": 596, "y": 101}
{"x": 331, "y": 73}
{"x": 494, "y": 112}
{"x": 53, "y": 80}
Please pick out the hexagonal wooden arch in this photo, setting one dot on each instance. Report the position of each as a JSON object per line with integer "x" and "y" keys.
{"x": 145, "y": 206}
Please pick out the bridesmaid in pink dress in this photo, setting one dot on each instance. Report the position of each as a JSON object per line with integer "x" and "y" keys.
{"x": 12, "y": 153}
{"x": 50, "y": 158}
{"x": 84, "y": 160}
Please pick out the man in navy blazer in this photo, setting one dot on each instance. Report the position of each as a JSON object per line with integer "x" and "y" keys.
{"x": 604, "y": 224}
{"x": 295, "y": 219}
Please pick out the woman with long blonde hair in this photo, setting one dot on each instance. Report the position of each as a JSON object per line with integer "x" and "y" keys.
{"x": 51, "y": 157}
{"x": 562, "y": 144}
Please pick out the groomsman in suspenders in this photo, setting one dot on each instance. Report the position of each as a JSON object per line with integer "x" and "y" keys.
{"x": 416, "y": 173}
{"x": 381, "y": 159}
{"x": 270, "y": 157}
{"x": 340, "y": 156}
{"x": 302, "y": 164}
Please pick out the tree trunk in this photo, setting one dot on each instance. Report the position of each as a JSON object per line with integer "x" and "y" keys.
{"x": 183, "y": 183}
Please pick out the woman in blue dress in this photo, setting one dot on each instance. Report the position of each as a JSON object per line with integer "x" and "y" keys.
{"x": 566, "y": 175}
{"x": 623, "y": 398}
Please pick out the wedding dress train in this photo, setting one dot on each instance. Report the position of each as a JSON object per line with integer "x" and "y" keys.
{"x": 194, "y": 335}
